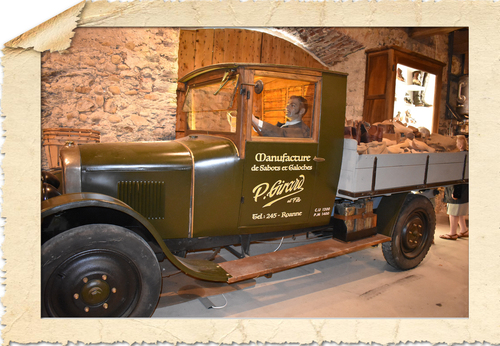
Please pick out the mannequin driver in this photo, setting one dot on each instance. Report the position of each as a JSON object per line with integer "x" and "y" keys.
{"x": 294, "y": 127}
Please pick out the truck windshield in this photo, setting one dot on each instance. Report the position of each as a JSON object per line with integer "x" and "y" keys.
{"x": 212, "y": 106}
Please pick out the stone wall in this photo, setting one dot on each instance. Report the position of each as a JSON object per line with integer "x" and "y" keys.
{"x": 119, "y": 81}
{"x": 122, "y": 81}
{"x": 354, "y": 64}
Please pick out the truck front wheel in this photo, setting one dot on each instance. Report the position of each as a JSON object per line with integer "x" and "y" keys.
{"x": 413, "y": 233}
{"x": 99, "y": 270}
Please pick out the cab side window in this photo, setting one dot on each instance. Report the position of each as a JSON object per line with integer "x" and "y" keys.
{"x": 285, "y": 108}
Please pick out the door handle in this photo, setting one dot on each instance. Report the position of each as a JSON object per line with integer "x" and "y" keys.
{"x": 318, "y": 159}
{"x": 461, "y": 97}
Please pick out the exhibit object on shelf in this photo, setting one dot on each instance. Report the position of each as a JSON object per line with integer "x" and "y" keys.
{"x": 114, "y": 210}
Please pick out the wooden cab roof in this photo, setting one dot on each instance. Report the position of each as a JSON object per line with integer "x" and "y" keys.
{"x": 256, "y": 66}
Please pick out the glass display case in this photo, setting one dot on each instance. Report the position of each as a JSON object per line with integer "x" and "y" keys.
{"x": 402, "y": 85}
{"x": 414, "y": 97}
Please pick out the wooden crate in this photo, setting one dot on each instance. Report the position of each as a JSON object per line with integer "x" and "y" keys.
{"x": 54, "y": 139}
{"x": 353, "y": 221}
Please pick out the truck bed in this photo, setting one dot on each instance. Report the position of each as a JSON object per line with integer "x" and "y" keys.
{"x": 383, "y": 174}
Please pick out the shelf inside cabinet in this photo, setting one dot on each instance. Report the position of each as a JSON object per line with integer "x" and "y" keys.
{"x": 412, "y": 87}
{"x": 414, "y": 96}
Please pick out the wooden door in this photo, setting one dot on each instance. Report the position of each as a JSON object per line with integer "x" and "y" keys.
{"x": 376, "y": 87}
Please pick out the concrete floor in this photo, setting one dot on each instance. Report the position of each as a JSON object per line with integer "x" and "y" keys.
{"x": 360, "y": 284}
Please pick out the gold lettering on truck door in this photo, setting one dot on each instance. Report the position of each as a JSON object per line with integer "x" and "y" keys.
{"x": 276, "y": 191}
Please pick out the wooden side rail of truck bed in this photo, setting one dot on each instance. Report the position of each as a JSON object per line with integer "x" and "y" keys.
{"x": 383, "y": 174}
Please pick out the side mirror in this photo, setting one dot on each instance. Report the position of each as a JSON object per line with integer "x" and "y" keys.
{"x": 258, "y": 86}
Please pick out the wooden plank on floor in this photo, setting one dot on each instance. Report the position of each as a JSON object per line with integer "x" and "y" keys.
{"x": 260, "y": 265}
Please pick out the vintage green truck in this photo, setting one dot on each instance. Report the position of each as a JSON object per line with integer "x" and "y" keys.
{"x": 114, "y": 210}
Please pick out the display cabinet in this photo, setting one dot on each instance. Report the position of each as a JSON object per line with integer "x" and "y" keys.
{"x": 402, "y": 85}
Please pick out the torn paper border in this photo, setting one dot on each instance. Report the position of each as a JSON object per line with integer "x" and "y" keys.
{"x": 21, "y": 106}
{"x": 52, "y": 35}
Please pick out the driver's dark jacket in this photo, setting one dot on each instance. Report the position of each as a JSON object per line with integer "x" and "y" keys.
{"x": 299, "y": 130}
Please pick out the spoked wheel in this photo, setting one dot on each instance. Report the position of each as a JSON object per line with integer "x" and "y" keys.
{"x": 413, "y": 233}
{"x": 99, "y": 271}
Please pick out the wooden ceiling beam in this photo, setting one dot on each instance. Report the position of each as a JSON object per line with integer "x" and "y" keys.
{"x": 430, "y": 31}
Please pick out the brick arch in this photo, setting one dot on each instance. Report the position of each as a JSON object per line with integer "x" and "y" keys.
{"x": 203, "y": 47}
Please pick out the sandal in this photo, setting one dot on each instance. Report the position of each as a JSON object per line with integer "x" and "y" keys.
{"x": 463, "y": 235}
{"x": 449, "y": 236}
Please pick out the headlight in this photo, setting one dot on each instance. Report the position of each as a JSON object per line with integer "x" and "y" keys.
{"x": 50, "y": 184}
{"x": 71, "y": 168}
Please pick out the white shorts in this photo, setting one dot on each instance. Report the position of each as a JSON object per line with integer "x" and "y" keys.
{"x": 458, "y": 209}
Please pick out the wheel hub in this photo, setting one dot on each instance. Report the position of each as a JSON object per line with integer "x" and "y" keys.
{"x": 413, "y": 233}
{"x": 99, "y": 270}
{"x": 95, "y": 292}
{"x": 413, "y": 236}
{"x": 83, "y": 285}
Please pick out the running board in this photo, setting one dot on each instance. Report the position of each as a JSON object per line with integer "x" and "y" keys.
{"x": 274, "y": 262}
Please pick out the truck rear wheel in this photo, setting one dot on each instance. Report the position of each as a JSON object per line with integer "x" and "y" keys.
{"x": 99, "y": 270}
{"x": 413, "y": 233}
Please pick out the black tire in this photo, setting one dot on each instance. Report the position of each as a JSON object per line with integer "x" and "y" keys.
{"x": 99, "y": 271}
{"x": 413, "y": 233}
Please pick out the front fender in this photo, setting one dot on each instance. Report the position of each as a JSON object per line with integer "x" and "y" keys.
{"x": 100, "y": 208}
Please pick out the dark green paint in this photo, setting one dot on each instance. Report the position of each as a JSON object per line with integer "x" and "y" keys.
{"x": 106, "y": 164}
{"x": 207, "y": 189}
{"x": 388, "y": 211}
{"x": 331, "y": 145}
{"x": 217, "y": 185}
{"x": 266, "y": 201}
{"x": 205, "y": 270}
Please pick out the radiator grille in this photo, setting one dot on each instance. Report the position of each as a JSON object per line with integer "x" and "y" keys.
{"x": 146, "y": 197}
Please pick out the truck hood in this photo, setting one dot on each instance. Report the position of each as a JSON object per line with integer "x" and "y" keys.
{"x": 145, "y": 156}
{"x": 178, "y": 154}
{"x": 210, "y": 151}
{"x": 163, "y": 181}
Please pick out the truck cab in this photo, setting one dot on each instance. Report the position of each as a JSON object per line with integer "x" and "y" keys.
{"x": 115, "y": 209}
{"x": 281, "y": 181}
